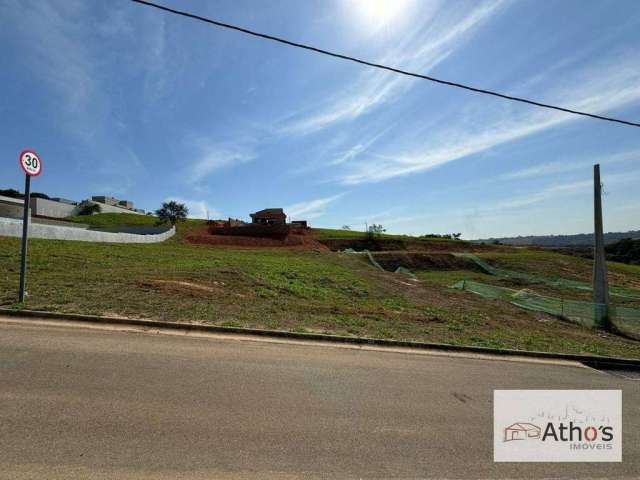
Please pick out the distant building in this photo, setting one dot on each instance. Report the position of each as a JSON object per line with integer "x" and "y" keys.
{"x": 269, "y": 216}
{"x": 61, "y": 207}
{"x": 104, "y": 199}
{"x": 64, "y": 200}
{"x": 114, "y": 202}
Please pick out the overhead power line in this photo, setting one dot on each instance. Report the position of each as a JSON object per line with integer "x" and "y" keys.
{"x": 380, "y": 66}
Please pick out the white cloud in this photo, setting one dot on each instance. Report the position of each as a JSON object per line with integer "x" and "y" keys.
{"x": 349, "y": 154}
{"x": 548, "y": 193}
{"x": 562, "y": 190}
{"x": 197, "y": 208}
{"x": 214, "y": 157}
{"x": 58, "y": 55}
{"x": 444, "y": 33}
{"x": 570, "y": 166}
{"x": 609, "y": 87}
{"x": 311, "y": 209}
{"x": 542, "y": 170}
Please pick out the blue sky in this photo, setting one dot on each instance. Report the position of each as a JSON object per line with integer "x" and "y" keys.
{"x": 124, "y": 100}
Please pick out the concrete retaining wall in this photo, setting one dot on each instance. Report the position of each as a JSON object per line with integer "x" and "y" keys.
{"x": 49, "y": 208}
{"x": 11, "y": 207}
{"x": 13, "y": 228}
{"x": 11, "y": 211}
{"x": 52, "y": 209}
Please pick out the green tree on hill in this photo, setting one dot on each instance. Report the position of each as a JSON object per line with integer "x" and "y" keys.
{"x": 172, "y": 212}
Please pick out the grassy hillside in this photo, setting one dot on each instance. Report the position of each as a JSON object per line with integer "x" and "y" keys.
{"x": 556, "y": 264}
{"x": 111, "y": 221}
{"x": 329, "y": 233}
{"x": 278, "y": 288}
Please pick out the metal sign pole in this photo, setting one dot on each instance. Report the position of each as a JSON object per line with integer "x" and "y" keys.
{"x": 25, "y": 235}
{"x": 32, "y": 166}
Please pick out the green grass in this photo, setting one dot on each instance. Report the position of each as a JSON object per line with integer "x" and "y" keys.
{"x": 554, "y": 264}
{"x": 281, "y": 289}
{"x": 323, "y": 233}
{"x": 446, "y": 278}
{"x": 330, "y": 233}
{"x": 248, "y": 287}
{"x": 111, "y": 221}
{"x": 631, "y": 270}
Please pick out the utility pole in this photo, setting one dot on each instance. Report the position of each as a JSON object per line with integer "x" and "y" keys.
{"x": 600, "y": 284}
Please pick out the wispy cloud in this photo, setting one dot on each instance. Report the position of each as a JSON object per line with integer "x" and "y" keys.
{"x": 69, "y": 59}
{"x": 569, "y": 166}
{"x": 443, "y": 33}
{"x": 214, "y": 156}
{"x": 609, "y": 87}
{"x": 58, "y": 55}
{"x": 349, "y": 154}
{"x": 311, "y": 209}
{"x": 548, "y": 193}
{"x": 560, "y": 190}
{"x": 357, "y": 150}
{"x": 542, "y": 170}
{"x": 549, "y": 196}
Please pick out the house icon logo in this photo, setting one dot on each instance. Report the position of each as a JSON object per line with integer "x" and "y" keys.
{"x": 521, "y": 431}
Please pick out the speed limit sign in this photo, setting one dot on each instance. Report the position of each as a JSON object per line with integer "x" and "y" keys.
{"x": 30, "y": 163}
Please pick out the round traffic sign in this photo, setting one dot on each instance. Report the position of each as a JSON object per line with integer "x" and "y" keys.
{"x": 30, "y": 163}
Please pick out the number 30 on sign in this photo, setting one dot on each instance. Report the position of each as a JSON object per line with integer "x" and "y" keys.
{"x": 30, "y": 163}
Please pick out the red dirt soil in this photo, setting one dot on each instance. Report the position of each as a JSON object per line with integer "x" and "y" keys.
{"x": 201, "y": 236}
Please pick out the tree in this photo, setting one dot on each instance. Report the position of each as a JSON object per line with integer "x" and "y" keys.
{"x": 346, "y": 227}
{"x": 172, "y": 212}
{"x": 11, "y": 193}
{"x": 456, "y": 236}
{"x": 88, "y": 208}
{"x": 375, "y": 230}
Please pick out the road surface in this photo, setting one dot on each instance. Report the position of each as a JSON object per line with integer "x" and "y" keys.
{"x": 80, "y": 402}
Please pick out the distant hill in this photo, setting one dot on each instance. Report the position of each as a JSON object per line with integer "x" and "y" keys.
{"x": 580, "y": 239}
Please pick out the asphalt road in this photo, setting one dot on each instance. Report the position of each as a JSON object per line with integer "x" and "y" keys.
{"x": 86, "y": 403}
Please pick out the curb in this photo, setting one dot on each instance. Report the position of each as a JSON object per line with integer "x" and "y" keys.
{"x": 595, "y": 361}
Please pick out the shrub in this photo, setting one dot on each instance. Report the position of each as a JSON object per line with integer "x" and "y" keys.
{"x": 11, "y": 193}
{"x": 88, "y": 208}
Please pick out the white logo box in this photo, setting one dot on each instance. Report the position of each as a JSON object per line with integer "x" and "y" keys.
{"x": 557, "y": 425}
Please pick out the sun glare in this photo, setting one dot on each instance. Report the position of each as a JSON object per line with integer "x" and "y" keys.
{"x": 378, "y": 13}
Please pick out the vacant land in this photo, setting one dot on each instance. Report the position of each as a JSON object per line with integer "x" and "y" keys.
{"x": 291, "y": 289}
